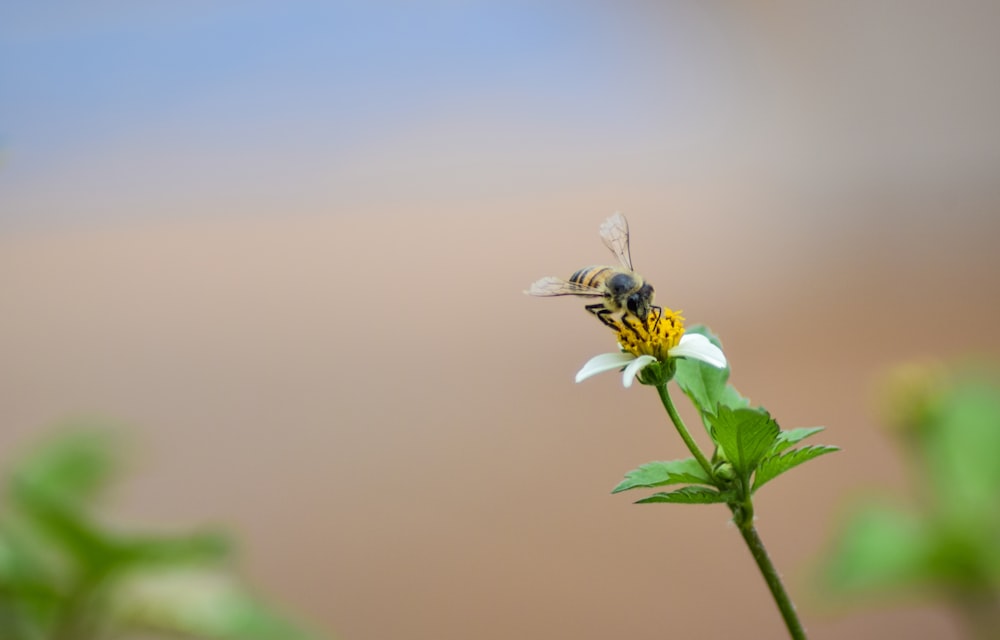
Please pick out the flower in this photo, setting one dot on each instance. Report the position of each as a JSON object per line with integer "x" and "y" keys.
{"x": 660, "y": 339}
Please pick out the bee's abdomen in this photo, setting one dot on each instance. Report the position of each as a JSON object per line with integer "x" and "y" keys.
{"x": 590, "y": 276}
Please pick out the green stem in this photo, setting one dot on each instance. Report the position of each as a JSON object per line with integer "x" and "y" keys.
{"x": 743, "y": 516}
{"x": 692, "y": 446}
{"x": 759, "y": 553}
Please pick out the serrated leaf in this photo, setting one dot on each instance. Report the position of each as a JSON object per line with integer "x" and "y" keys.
{"x": 658, "y": 474}
{"x": 701, "y": 382}
{"x": 687, "y": 495}
{"x": 732, "y": 398}
{"x": 704, "y": 384}
{"x": 792, "y": 436}
{"x": 774, "y": 466}
{"x": 745, "y": 436}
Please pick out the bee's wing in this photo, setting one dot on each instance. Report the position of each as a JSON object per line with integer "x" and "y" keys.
{"x": 614, "y": 233}
{"x": 553, "y": 286}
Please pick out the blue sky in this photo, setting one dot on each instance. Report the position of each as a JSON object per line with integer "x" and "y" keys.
{"x": 123, "y": 109}
{"x": 94, "y": 74}
{"x": 90, "y": 97}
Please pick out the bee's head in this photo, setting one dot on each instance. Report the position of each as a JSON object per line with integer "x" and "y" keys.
{"x": 641, "y": 302}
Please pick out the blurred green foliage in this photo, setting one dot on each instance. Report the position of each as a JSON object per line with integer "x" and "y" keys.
{"x": 944, "y": 540}
{"x": 66, "y": 575}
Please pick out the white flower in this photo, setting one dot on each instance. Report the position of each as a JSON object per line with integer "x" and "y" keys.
{"x": 691, "y": 345}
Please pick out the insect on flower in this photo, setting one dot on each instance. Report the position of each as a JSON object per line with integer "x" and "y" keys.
{"x": 621, "y": 291}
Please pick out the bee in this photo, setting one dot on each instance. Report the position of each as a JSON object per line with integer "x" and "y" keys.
{"x": 620, "y": 290}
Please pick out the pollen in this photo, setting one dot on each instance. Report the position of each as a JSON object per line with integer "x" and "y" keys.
{"x": 655, "y": 337}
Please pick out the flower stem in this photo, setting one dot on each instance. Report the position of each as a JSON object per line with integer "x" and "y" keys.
{"x": 692, "y": 446}
{"x": 743, "y": 516}
{"x": 759, "y": 553}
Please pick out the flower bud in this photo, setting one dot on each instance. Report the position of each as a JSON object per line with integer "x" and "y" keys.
{"x": 725, "y": 471}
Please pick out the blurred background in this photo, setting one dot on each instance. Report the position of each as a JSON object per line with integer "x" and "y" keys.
{"x": 286, "y": 244}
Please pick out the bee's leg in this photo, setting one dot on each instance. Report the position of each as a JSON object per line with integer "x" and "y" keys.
{"x": 632, "y": 322}
{"x": 659, "y": 314}
{"x": 603, "y": 314}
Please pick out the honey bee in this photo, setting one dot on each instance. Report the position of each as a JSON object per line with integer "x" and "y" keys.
{"x": 621, "y": 290}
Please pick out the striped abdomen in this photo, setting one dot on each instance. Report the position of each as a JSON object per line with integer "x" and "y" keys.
{"x": 592, "y": 276}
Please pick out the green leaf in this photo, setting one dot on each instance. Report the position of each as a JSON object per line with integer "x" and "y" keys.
{"x": 687, "y": 495}
{"x": 658, "y": 474}
{"x": 732, "y": 398}
{"x": 704, "y": 384}
{"x": 148, "y": 551}
{"x": 961, "y": 446}
{"x": 882, "y": 547}
{"x": 64, "y": 572}
{"x": 29, "y": 576}
{"x": 774, "y": 466}
{"x": 792, "y": 436}
{"x": 68, "y": 526}
{"x": 201, "y": 604}
{"x": 70, "y": 469}
{"x": 745, "y": 436}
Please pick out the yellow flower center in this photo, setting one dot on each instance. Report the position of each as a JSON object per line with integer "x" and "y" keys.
{"x": 661, "y": 332}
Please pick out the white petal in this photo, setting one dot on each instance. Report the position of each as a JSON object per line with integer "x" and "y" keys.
{"x": 697, "y": 346}
{"x": 634, "y": 368}
{"x": 602, "y": 363}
